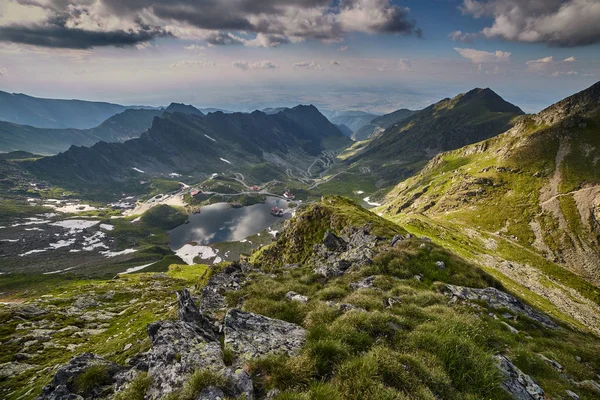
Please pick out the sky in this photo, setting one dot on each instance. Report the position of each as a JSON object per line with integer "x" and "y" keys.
{"x": 371, "y": 55}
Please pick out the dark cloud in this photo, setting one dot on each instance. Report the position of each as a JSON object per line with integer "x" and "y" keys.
{"x": 80, "y": 23}
{"x": 74, "y": 38}
{"x": 564, "y": 23}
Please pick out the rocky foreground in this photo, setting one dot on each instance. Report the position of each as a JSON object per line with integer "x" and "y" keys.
{"x": 193, "y": 342}
{"x": 365, "y": 313}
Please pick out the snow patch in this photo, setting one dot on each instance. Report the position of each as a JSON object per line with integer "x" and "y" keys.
{"x": 75, "y": 224}
{"x": 360, "y": 192}
{"x": 110, "y": 254}
{"x": 188, "y": 252}
{"x": 107, "y": 227}
{"x": 32, "y": 252}
{"x": 59, "y": 271}
{"x": 9, "y": 240}
{"x": 138, "y": 170}
{"x": 136, "y": 269}
{"x": 224, "y": 160}
{"x": 211, "y": 139}
{"x": 62, "y": 243}
{"x": 174, "y": 175}
{"x": 371, "y": 203}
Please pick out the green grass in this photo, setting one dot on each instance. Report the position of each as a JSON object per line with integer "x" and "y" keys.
{"x": 164, "y": 217}
{"x": 92, "y": 378}
{"x": 137, "y": 389}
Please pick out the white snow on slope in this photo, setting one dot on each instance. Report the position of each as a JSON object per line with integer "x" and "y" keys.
{"x": 371, "y": 203}
{"x": 224, "y": 160}
{"x": 138, "y": 170}
{"x": 210, "y": 138}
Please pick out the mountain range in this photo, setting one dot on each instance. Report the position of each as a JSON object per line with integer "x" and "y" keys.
{"x": 201, "y": 144}
{"x": 126, "y": 125}
{"x": 53, "y": 113}
{"x": 537, "y": 185}
{"x": 403, "y": 148}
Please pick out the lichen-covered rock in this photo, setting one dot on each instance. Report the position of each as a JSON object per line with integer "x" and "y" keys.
{"x": 293, "y": 296}
{"x": 499, "y": 300}
{"x": 64, "y": 385}
{"x": 211, "y": 393}
{"x": 519, "y": 385}
{"x": 179, "y": 348}
{"x": 252, "y": 335}
{"x": 10, "y": 369}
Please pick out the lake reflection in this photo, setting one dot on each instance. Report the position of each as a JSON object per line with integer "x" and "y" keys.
{"x": 221, "y": 223}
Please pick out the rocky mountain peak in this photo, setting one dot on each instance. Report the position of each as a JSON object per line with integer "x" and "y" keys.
{"x": 584, "y": 102}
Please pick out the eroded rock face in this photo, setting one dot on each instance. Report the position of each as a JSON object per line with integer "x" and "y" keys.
{"x": 519, "y": 385}
{"x": 65, "y": 385}
{"x": 252, "y": 335}
{"x": 498, "y": 299}
{"x": 337, "y": 254}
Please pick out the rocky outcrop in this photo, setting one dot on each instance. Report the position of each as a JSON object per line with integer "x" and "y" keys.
{"x": 230, "y": 279}
{"x": 499, "y": 300}
{"x": 336, "y": 254}
{"x": 72, "y": 381}
{"x": 519, "y": 385}
{"x": 178, "y": 349}
{"x": 251, "y": 335}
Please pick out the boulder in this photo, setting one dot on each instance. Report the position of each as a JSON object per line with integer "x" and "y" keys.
{"x": 179, "y": 348}
{"x": 230, "y": 279}
{"x": 188, "y": 312}
{"x": 211, "y": 393}
{"x": 10, "y": 369}
{"x": 253, "y": 335}
{"x": 499, "y": 300}
{"x": 519, "y": 385}
{"x": 66, "y": 386}
{"x": 334, "y": 243}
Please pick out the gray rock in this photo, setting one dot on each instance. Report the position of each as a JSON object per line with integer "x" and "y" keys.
{"x": 392, "y": 301}
{"x": 10, "y": 369}
{"x": 63, "y": 384}
{"x": 572, "y": 395}
{"x": 555, "y": 364}
{"x": 498, "y": 299}
{"x": 334, "y": 243}
{"x": 178, "y": 349}
{"x": 440, "y": 265}
{"x": 366, "y": 283}
{"x": 252, "y": 335}
{"x": 328, "y": 271}
{"x": 211, "y": 393}
{"x": 519, "y": 385}
{"x": 293, "y": 296}
{"x": 188, "y": 312}
{"x": 345, "y": 307}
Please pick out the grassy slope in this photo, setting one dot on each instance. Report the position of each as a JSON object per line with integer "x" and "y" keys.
{"x": 420, "y": 348}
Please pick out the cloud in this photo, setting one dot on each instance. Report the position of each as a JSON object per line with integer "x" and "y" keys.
{"x": 565, "y": 23}
{"x": 570, "y": 59}
{"x": 195, "y": 47}
{"x": 459, "y": 36}
{"x": 568, "y": 73}
{"x": 482, "y": 57}
{"x": 3, "y": 71}
{"x": 83, "y": 24}
{"x": 246, "y": 65}
{"x": 334, "y": 63}
{"x": 308, "y": 65}
{"x": 540, "y": 65}
{"x": 342, "y": 49}
{"x": 193, "y": 63}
